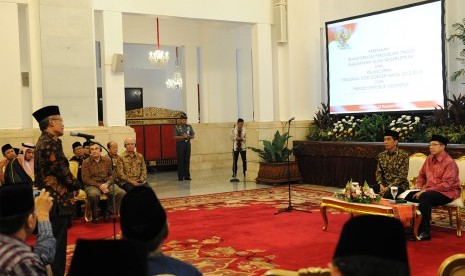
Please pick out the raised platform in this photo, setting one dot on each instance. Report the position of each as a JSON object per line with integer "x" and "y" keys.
{"x": 335, "y": 163}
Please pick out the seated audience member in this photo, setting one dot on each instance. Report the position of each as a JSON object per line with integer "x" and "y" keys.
{"x": 371, "y": 245}
{"x": 79, "y": 157}
{"x": 86, "y": 147}
{"x": 438, "y": 181}
{"x": 114, "y": 257}
{"x": 9, "y": 154}
{"x": 144, "y": 219}
{"x": 98, "y": 178}
{"x": 392, "y": 166}
{"x": 112, "y": 147}
{"x": 26, "y": 158}
{"x": 14, "y": 172}
{"x": 132, "y": 170}
{"x": 19, "y": 215}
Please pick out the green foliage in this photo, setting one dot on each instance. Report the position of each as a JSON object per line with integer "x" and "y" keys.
{"x": 458, "y": 33}
{"x": 455, "y": 133}
{"x": 274, "y": 151}
{"x": 316, "y": 133}
{"x": 322, "y": 118}
{"x": 372, "y": 127}
{"x": 457, "y": 109}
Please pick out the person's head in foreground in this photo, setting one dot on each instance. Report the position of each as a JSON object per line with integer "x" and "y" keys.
{"x": 17, "y": 210}
{"x": 143, "y": 218}
{"x": 114, "y": 257}
{"x": 371, "y": 245}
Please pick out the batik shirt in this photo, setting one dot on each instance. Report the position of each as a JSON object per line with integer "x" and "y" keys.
{"x": 440, "y": 174}
{"x": 131, "y": 167}
{"x": 17, "y": 258}
{"x": 392, "y": 169}
{"x": 96, "y": 173}
{"x": 238, "y": 145}
{"x": 52, "y": 173}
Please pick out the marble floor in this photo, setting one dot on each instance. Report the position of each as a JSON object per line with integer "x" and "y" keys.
{"x": 166, "y": 184}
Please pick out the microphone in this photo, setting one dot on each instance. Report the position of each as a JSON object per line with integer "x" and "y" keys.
{"x": 291, "y": 119}
{"x": 83, "y": 135}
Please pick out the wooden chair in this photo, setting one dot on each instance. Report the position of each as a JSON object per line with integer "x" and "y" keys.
{"x": 309, "y": 271}
{"x": 453, "y": 266}
{"x": 415, "y": 162}
{"x": 458, "y": 204}
{"x": 82, "y": 196}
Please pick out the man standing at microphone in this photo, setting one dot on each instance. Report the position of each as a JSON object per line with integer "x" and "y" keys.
{"x": 51, "y": 168}
{"x": 183, "y": 134}
{"x": 238, "y": 138}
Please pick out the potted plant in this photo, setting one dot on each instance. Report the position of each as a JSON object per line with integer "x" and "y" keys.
{"x": 274, "y": 166}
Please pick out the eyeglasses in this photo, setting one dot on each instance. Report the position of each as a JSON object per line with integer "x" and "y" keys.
{"x": 434, "y": 144}
{"x": 57, "y": 119}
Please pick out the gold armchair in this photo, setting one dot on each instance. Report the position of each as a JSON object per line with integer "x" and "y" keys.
{"x": 81, "y": 195}
{"x": 309, "y": 271}
{"x": 453, "y": 266}
{"x": 415, "y": 162}
{"x": 458, "y": 204}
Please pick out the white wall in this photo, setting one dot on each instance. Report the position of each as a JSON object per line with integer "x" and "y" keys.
{"x": 10, "y": 71}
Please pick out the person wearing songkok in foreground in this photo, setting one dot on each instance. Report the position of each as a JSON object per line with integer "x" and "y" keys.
{"x": 26, "y": 158}
{"x": 183, "y": 134}
{"x": 438, "y": 181}
{"x": 52, "y": 172}
{"x": 132, "y": 170}
{"x": 98, "y": 178}
{"x": 113, "y": 257}
{"x": 19, "y": 215}
{"x": 238, "y": 136}
{"x": 371, "y": 245}
{"x": 144, "y": 219}
{"x": 392, "y": 166}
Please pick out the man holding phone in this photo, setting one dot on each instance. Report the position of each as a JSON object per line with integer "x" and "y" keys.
{"x": 132, "y": 170}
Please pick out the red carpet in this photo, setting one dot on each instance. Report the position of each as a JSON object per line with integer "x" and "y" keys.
{"x": 238, "y": 234}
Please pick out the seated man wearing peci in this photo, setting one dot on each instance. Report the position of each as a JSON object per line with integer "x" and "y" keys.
{"x": 438, "y": 181}
{"x": 392, "y": 166}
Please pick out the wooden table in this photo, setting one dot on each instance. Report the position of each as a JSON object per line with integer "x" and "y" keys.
{"x": 364, "y": 209}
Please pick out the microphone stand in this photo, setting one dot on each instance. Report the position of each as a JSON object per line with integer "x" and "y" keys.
{"x": 234, "y": 166}
{"x": 289, "y": 208}
{"x": 112, "y": 183}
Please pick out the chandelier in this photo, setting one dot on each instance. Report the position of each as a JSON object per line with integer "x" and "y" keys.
{"x": 176, "y": 81}
{"x": 159, "y": 58}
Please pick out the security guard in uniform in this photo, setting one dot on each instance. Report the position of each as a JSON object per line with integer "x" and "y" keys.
{"x": 183, "y": 134}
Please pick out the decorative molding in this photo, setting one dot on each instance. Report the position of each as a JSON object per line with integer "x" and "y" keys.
{"x": 153, "y": 113}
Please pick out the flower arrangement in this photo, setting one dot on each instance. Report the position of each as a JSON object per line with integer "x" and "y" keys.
{"x": 405, "y": 126}
{"x": 448, "y": 121}
{"x": 354, "y": 193}
{"x": 344, "y": 129}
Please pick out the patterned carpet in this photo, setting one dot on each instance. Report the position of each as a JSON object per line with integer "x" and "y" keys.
{"x": 215, "y": 255}
{"x": 236, "y": 233}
